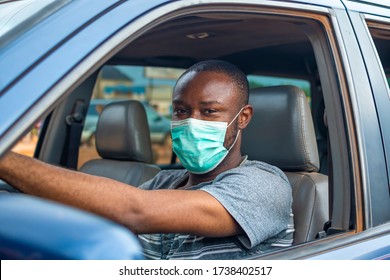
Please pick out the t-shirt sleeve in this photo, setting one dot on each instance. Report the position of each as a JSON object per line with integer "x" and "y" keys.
{"x": 259, "y": 200}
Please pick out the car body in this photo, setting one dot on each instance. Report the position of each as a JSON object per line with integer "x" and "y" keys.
{"x": 50, "y": 60}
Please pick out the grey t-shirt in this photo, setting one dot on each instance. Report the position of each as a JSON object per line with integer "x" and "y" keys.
{"x": 256, "y": 194}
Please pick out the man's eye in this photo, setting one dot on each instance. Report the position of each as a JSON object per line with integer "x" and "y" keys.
{"x": 210, "y": 111}
{"x": 180, "y": 111}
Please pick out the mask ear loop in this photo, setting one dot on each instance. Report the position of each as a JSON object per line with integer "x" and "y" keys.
{"x": 235, "y": 117}
{"x": 235, "y": 140}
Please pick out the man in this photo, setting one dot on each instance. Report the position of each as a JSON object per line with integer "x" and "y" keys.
{"x": 222, "y": 207}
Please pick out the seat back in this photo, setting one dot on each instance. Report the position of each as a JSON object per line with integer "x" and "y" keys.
{"x": 281, "y": 133}
{"x": 123, "y": 142}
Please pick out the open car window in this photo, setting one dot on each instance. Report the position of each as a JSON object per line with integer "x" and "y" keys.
{"x": 152, "y": 86}
{"x": 273, "y": 50}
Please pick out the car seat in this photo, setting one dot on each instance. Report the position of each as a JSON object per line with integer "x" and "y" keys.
{"x": 281, "y": 133}
{"x": 123, "y": 142}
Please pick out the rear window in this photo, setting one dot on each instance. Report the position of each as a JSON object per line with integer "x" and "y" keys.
{"x": 152, "y": 86}
{"x": 265, "y": 81}
{"x": 381, "y": 36}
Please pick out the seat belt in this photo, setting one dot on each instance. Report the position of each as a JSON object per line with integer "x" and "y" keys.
{"x": 173, "y": 158}
{"x": 42, "y": 134}
{"x": 74, "y": 123}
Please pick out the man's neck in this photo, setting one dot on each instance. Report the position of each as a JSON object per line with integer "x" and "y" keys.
{"x": 232, "y": 161}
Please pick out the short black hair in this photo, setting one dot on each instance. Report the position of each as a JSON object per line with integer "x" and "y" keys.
{"x": 233, "y": 72}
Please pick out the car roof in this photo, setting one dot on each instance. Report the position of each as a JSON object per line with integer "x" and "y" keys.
{"x": 188, "y": 39}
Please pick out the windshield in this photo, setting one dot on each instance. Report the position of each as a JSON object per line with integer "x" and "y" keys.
{"x": 20, "y": 15}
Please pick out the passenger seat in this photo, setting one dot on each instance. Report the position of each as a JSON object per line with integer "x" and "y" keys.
{"x": 123, "y": 142}
{"x": 281, "y": 133}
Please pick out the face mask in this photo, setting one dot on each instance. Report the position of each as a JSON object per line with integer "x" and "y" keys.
{"x": 199, "y": 144}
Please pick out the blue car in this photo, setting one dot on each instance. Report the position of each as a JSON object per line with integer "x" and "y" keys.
{"x": 336, "y": 53}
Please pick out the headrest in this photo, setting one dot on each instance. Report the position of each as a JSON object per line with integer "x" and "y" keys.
{"x": 122, "y": 132}
{"x": 281, "y": 131}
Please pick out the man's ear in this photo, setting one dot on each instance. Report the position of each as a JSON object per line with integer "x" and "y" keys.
{"x": 245, "y": 116}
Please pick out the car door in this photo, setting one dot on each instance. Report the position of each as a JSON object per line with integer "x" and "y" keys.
{"x": 371, "y": 24}
{"x": 368, "y": 63}
{"x": 29, "y": 90}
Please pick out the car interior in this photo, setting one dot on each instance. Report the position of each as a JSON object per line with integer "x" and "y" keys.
{"x": 292, "y": 147}
{"x": 297, "y": 130}
{"x": 123, "y": 142}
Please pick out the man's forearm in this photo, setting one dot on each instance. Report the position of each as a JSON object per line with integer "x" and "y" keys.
{"x": 96, "y": 194}
{"x": 159, "y": 211}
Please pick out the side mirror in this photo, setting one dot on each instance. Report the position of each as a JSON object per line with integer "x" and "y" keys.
{"x": 35, "y": 228}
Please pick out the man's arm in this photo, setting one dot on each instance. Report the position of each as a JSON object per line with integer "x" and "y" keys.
{"x": 158, "y": 211}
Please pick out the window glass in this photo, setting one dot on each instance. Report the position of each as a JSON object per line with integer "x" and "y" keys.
{"x": 381, "y": 38}
{"x": 265, "y": 81}
{"x": 26, "y": 146}
{"x": 153, "y": 86}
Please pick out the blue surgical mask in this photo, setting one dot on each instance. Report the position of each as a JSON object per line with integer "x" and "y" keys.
{"x": 199, "y": 144}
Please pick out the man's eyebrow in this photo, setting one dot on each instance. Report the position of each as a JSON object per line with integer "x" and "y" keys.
{"x": 177, "y": 102}
{"x": 212, "y": 102}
